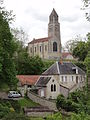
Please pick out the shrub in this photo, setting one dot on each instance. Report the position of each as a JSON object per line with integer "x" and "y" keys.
{"x": 15, "y": 104}
{"x": 56, "y": 116}
{"x": 60, "y": 102}
{"x": 15, "y": 116}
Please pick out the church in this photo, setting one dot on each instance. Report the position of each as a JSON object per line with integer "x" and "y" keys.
{"x": 48, "y": 47}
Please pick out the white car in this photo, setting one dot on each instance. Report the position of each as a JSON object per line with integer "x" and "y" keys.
{"x": 14, "y": 94}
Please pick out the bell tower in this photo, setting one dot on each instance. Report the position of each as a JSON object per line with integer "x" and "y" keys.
{"x": 54, "y": 35}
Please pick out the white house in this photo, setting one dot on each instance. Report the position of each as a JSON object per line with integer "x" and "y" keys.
{"x": 60, "y": 78}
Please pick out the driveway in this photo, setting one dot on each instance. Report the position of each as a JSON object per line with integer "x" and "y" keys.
{"x": 4, "y": 95}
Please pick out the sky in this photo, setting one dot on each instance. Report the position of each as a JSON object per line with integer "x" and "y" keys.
{"x": 33, "y": 17}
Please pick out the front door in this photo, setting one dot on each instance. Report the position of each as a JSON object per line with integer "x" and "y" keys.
{"x": 42, "y": 93}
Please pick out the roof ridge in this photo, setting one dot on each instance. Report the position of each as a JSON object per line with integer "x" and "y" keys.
{"x": 58, "y": 68}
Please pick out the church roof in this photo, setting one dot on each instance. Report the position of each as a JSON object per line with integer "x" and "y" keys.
{"x": 63, "y": 68}
{"x": 39, "y": 40}
{"x": 53, "y": 12}
{"x": 43, "y": 81}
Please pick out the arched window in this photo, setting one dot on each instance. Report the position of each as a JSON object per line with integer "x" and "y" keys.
{"x": 54, "y": 87}
{"x": 51, "y": 88}
{"x": 54, "y": 46}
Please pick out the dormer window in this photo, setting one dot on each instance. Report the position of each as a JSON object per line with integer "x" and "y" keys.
{"x": 75, "y": 69}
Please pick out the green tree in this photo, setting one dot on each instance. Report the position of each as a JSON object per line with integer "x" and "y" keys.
{"x": 87, "y": 63}
{"x": 71, "y": 44}
{"x": 8, "y": 47}
{"x": 80, "y": 51}
{"x": 87, "y": 8}
{"x": 80, "y": 116}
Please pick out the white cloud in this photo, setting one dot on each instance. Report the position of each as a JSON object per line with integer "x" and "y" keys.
{"x": 33, "y": 15}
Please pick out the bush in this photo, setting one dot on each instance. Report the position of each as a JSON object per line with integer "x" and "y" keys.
{"x": 15, "y": 104}
{"x": 56, "y": 116}
{"x": 60, "y": 102}
{"x": 15, "y": 116}
{"x": 4, "y": 110}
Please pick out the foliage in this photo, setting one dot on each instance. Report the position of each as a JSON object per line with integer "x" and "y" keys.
{"x": 80, "y": 51}
{"x": 26, "y": 102}
{"x": 87, "y": 8}
{"x": 15, "y": 116}
{"x": 80, "y": 64}
{"x": 71, "y": 44}
{"x": 47, "y": 64}
{"x": 80, "y": 116}
{"x": 15, "y": 104}
{"x": 87, "y": 62}
{"x": 60, "y": 102}
{"x": 56, "y": 116}
{"x": 76, "y": 102}
{"x": 29, "y": 65}
{"x": 8, "y": 73}
{"x": 20, "y": 36}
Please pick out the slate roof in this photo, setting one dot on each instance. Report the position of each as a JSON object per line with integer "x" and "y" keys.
{"x": 28, "y": 79}
{"x": 51, "y": 70}
{"x": 39, "y": 40}
{"x": 43, "y": 81}
{"x": 63, "y": 68}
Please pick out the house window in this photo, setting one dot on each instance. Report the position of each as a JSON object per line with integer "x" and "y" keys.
{"x": 81, "y": 78}
{"x": 45, "y": 47}
{"x": 31, "y": 50}
{"x": 53, "y": 80}
{"x": 35, "y": 49}
{"x": 72, "y": 78}
{"x": 54, "y": 87}
{"x": 51, "y": 88}
{"x": 40, "y": 48}
{"x": 76, "y": 79}
{"x": 62, "y": 78}
{"x": 65, "y": 78}
{"x": 54, "y": 46}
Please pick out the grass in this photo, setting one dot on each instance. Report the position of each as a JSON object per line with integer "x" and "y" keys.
{"x": 26, "y": 102}
{"x": 36, "y": 118}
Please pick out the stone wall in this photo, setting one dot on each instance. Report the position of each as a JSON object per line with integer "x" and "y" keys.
{"x": 42, "y": 101}
{"x": 38, "y": 111}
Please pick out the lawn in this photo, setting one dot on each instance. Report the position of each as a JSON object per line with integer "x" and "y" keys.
{"x": 26, "y": 102}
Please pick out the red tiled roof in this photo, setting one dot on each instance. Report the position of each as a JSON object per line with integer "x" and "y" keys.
{"x": 28, "y": 79}
{"x": 39, "y": 40}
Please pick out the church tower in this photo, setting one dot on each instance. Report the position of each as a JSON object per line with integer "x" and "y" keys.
{"x": 54, "y": 44}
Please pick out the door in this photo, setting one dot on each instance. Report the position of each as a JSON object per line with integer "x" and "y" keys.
{"x": 42, "y": 93}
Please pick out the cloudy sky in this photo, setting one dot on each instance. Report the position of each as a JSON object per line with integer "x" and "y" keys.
{"x": 33, "y": 15}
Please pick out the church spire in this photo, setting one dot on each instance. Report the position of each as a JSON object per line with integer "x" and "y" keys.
{"x": 53, "y": 16}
